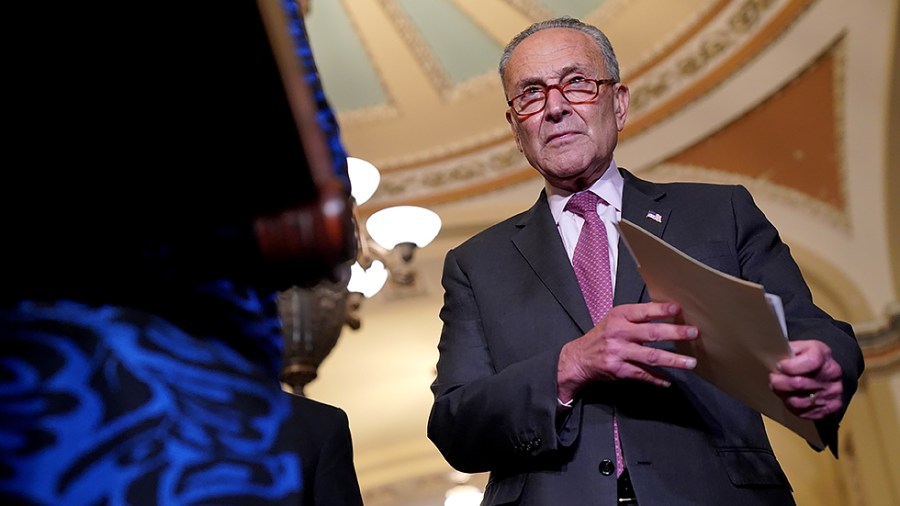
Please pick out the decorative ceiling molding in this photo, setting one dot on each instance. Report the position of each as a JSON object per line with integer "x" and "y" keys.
{"x": 419, "y": 47}
{"x": 367, "y": 115}
{"x": 880, "y": 340}
{"x": 676, "y": 40}
{"x": 349, "y": 117}
{"x": 485, "y": 145}
{"x": 739, "y": 34}
{"x": 454, "y": 177}
{"x": 532, "y": 9}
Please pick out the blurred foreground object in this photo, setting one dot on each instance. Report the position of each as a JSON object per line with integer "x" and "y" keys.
{"x": 176, "y": 168}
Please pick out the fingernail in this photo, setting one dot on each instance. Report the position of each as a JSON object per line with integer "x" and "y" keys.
{"x": 673, "y": 308}
{"x": 690, "y": 363}
{"x": 692, "y": 332}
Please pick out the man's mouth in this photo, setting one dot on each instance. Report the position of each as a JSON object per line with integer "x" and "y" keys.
{"x": 560, "y": 136}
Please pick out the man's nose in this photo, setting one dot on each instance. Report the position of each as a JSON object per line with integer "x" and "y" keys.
{"x": 556, "y": 103}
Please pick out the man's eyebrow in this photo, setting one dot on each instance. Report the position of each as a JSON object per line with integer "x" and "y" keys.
{"x": 573, "y": 69}
{"x": 528, "y": 81}
{"x": 560, "y": 74}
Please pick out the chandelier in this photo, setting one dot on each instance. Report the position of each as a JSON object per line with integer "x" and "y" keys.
{"x": 312, "y": 318}
{"x": 390, "y": 236}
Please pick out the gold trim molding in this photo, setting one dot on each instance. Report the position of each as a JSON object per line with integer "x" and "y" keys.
{"x": 450, "y": 176}
{"x": 729, "y": 42}
{"x": 880, "y": 340}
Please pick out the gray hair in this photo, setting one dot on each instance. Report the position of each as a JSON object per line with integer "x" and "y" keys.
{"x": 603, "y": 44}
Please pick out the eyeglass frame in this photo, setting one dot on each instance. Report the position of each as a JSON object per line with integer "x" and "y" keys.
{"x": 561, "y": 89}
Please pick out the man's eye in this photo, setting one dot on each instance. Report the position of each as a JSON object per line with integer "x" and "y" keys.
{"x": 577, "y": 79}
{"x": 532, "y": 90}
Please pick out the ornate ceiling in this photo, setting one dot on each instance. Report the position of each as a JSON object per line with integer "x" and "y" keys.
{"x": 799, "y": 100}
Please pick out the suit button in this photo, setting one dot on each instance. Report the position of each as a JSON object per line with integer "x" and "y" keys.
{"x": 607, "y": 467}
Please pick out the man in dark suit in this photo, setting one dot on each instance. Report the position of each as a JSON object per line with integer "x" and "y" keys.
{"x": 320, "y": 434}
{"x": 546, "y": 395}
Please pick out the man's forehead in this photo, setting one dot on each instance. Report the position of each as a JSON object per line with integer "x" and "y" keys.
{"x": 553, "y": 53}
{"x": 554, "y": 73}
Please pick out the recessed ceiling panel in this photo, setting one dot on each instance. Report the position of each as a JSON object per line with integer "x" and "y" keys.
{"x": 463, "y": 50}
{"x": 344, "y": 66}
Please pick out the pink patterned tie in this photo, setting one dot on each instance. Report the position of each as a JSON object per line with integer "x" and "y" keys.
{"x": 591, "y": 263}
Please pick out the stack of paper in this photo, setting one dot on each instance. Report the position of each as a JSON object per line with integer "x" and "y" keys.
{"x": 742, "y": 330}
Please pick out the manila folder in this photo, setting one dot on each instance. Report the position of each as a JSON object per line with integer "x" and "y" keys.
{"x": 741, "y": 338}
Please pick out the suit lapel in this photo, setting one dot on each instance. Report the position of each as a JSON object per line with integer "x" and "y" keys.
{"x": 641, "y": 205}
{"x": 539, "y": 243}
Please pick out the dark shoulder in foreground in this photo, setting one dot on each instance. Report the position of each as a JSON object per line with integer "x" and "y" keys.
{"x": 306, "y": 407}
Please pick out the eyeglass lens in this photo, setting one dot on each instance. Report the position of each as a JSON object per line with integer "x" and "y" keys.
{"x": 575, "y": 92}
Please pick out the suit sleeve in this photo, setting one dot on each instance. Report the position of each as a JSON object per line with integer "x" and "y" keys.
{"x": 765, "y": 259}
{"x": 335, "y": 481}
{"x": 487, "y": 417}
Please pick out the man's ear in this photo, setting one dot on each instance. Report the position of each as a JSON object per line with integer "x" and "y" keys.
{"x": 514, "y": 126}
{"x": 621, "y": 99}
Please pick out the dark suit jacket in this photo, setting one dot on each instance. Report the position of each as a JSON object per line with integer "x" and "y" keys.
{"x": 320, "y": 433}
{"x": 512, "y": 301}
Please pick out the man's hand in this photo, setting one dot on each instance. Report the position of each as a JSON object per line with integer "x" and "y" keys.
{"x": 614, "y": 349}
{"x": 809, "y": 382}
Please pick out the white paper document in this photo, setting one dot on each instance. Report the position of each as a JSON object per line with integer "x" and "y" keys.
{"x": 742, "y": 329}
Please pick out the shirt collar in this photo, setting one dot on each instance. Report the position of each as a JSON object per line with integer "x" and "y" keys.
{"x": 609, "y": 187}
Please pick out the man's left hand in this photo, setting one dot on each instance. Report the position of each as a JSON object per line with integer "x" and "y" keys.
{"x": 809, "y": 382}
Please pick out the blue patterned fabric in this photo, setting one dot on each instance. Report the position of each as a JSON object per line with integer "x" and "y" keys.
{"x": 140, "y": 347}
{"x": 110, "y": 405}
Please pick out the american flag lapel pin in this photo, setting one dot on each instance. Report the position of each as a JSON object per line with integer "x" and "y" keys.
{"x": 655, "y": 216}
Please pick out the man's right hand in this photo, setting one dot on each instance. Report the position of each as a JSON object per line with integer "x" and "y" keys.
{"x": 614, "y": 349}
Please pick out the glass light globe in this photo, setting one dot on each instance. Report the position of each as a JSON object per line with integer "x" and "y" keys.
{"x": 394, "y": 225}
{"x": 367, "y": 281}
{"x": 364, "y": 179}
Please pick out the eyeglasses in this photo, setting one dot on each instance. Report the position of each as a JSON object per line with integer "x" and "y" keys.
{"x": 576, "y": 91}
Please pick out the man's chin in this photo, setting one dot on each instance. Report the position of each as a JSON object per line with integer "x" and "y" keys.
{"x": 572, "y": 176}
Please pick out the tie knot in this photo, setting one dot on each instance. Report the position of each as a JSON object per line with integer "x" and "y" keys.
{"x": 584, "y": 202}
